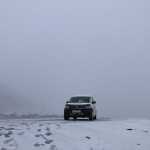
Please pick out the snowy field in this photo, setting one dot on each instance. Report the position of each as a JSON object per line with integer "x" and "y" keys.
{"x": 57, "y": 134}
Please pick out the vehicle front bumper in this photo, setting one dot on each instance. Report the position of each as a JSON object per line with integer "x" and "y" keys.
{"x": 78, "y": 112}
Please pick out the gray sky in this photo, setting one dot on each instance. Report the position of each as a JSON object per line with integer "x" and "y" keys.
{"x": 52, "y": 50}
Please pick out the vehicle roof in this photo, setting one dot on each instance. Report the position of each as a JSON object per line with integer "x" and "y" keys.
{"x": 82, "y": 96}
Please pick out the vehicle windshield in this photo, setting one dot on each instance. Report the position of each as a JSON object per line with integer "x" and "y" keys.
{"x": 80, "y": 100}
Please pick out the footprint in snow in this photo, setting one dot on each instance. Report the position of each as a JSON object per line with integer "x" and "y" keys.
{"x": 37, "y": 144}
{"x": 53, "y": 147}
{"x": 37, "y": 135}
{"x": 39, "y": 130}
{"x": 40, "y": 125}
{"x": 48, "y": 141}
{"x": 8, "y": 134}
{"x": 11, "y": 143}
{"x": 47, "y": 129}
{"x": 8, "y": 141}
{"x": 145, "y": 131}
{"x": 58, "y": 126}
{"x": 48, "y": 133}
{"x": 3, "y": 148}
{"x": 21, "y": 133}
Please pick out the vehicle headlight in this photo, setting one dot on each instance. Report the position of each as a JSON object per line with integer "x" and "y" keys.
{"x": 88, "y": 106}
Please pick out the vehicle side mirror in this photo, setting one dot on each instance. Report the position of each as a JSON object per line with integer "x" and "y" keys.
{"x": 67, "y": 102}
{"x": 94, "y": 102}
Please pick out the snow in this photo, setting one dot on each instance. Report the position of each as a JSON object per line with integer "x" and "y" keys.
{"x": 133, "y": 134}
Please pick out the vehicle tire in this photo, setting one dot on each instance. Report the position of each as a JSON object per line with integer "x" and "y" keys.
{"x": 95, "y": 117}
{"x": 66, "y": 117}
{"x": 74, "y": 118}
{"x": 91, "y": 116}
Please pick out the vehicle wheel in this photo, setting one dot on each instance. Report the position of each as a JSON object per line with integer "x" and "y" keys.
{"x": 91, "y": 116}
{"x": 95, "y": 117}
{"x": 74, "y": 118}
{"x": 66, "y": 117}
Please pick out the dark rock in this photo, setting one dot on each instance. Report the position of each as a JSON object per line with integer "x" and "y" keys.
{"x": 130, "y": 129}
{"x": 88, "y": 137}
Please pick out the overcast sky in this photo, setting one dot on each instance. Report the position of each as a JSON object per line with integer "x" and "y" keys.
{"x": 52, "y": 50}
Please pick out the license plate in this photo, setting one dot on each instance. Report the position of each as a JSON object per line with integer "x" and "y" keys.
{"x": 76, "y": 111}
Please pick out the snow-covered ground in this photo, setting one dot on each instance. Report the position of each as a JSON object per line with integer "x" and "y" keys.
{"x": 75, "y": 135}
